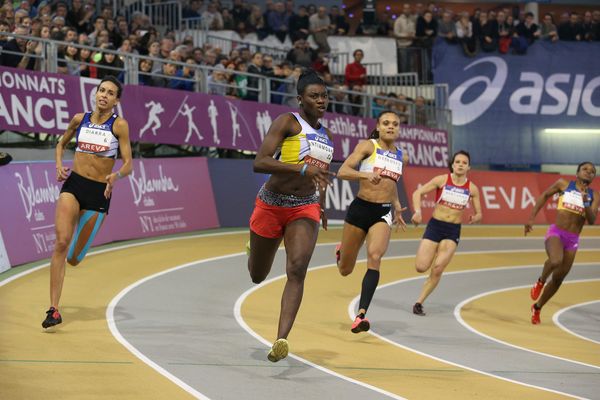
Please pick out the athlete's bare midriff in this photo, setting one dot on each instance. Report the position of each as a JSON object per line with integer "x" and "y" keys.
{"x": 569, "y": 221}
{"x": 383, "y": 192}
{"x": 292, "y": 184}
{"x": 92, "y": 166}
{"x": 447, "y": 214}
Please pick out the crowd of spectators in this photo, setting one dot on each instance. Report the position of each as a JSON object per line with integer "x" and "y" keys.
{"x": 500, "y": 29}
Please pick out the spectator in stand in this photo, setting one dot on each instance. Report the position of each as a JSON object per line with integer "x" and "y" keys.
{"x": 447, "y": 28}
{"x": 319, "y": 24}
{"x": 385, "y": 24}
{"x": 278, "y": 21}
{"x": 228, "y": 22}
{"x": 505, "y": 32}
{"x": 110, "y": 64}
{"x": 240, "y": 11}
{"x": 217, "y": 81}
{"x": 193, "y": 10}
{"x": 339, "y": 25}
{"x": 404, "y": 31}
{"x": 587, "y": 26}
{"x": 166, "y": 77}
{"x": 420, "y": 111}
{"x": 321, "y": 65}
{"x": 378, "y": 105}
{"x": 85, "y": 58}
{"x": 241, "y": 80}
{"x": 113, "y": 35}
{"x": 25, "y": 60}
{"x": 291, "y": 100}
{"x": 253, "y": 82}
{"x": 526, "y": 32}
{"x": 426, "y": 30}
{"x": 68, "y": 61}
{"x": 99, "y": 26}
{"x": 212, "y": 18}
{"x": 5, "y": 27}
{"x": 464, "y": 33}
{"x": 299, "y": 25}
{"x": 301, "y": 54}
{"x": 489, "y": 33}
{"x": 572, "y": 30}
{"x": 596, "y": 25}
{"x": 339, "y": 102}
{"x": 548, "y": 29}
{"x": 256, "y": 23}
{"x": 356, "y": 79}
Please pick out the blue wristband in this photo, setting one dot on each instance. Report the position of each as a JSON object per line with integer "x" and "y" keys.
{"x": 303, "y": 169}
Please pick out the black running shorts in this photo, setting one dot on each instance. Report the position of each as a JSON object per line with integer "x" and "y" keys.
{"x": 89, "y": 193}
{"x": 437, "y": 231}
{"x": 364, "y": 214}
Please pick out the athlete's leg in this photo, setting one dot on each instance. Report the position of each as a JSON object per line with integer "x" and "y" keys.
{"x": 67, "y": 210}
{"x": 444, "y": 256}
{"x": 300, "y": 239}
{"x": 352, "y": 240}
{"x": 558, "y": 275}
{"x": 425, "y": 254}
{"x": 554, "y": 249}
{"x": 262, "y": 254}
{"x": 377, "y": 244}
{"x": 87, "y": 228}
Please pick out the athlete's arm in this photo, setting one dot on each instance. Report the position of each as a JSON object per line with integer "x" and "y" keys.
{"x": 592, "y": 210}
{"x": 556, "y": 187}
{"x": 476, "y": 201}
{"x": 121, "y": 131}
{"x": 63, "y": 172}
{"x": 283, "y": 126}
{"x": 435, "y": 183}
{"x": 348, "y": 169}
{"x": 398, "y": 210}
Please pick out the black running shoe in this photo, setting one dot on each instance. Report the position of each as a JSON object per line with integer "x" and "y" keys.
{"x": 52, "y": 318}
{"x": 418, "y": 309}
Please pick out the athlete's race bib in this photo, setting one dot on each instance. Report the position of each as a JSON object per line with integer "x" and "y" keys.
{"x": 455, "y": 197}
{"x": 572, "y": 201}
{"x": 320, "y": 151}
{"x": 387, "y": 164}
{"x": 94, "y": 140}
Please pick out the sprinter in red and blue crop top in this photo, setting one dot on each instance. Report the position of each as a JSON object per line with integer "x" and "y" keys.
{"x": 85, "y": 196}
{"x": 577, "y": 203}
{"x": 377, "y": 165}
{"x": 454, "y": 191}
{"x": 296, "y": 152}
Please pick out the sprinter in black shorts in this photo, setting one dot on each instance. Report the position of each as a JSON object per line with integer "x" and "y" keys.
{"x": 85, "y": 196}
{"x": 377, "y": 164}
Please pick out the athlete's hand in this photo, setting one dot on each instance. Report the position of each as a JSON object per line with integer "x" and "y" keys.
{"x": 474, "y": 219}
{"x": 321, "y": 177}
{"x": 398, "y": 220}
{"x": 374, "y": 177}
{"x": 417, "y": 218}
{"x": 584, "y": 194}
{"x": 110, "y": 183}
{"x": 528, "y": 226}
{"x": 323, "y": 219}
{"x": 62, "y": 173}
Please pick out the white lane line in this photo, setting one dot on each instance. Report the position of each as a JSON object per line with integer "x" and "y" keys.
{"x": 352, "y": 313}
{"x": 237, "y": 310}
{"x": 556, "y": 317}
{"x": 110, "y": 318}
{"x": 473, "y": 298}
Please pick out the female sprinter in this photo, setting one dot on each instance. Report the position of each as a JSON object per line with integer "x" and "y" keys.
{"x": 576, "y": 205}
{"x": 85, "y": 195}
{"x": 296, "y": 151}
{"x": 377, "y": 165}
{"x": 441, "y": 237}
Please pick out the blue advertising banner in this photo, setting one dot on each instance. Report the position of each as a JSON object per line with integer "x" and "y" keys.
{"x": 502, "y": 103}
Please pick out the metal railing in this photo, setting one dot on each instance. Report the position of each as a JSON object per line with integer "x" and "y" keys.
{"x": 164, "y": 14}
{"x": 264, "y": 89}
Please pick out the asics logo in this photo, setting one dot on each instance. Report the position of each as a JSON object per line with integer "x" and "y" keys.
{"x": 465, "y": 113}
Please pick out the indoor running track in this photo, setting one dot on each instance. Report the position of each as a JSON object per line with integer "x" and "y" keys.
{"x": 178, "y": 317}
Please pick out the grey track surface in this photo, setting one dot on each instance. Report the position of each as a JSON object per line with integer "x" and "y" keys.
{"x": 584, "y": 320}
{"x": 184, "y": 322}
